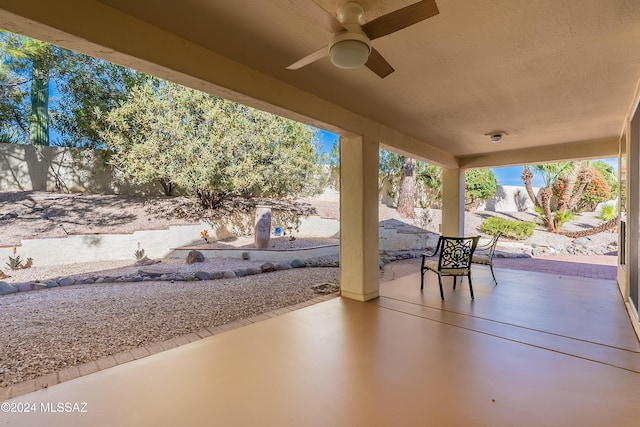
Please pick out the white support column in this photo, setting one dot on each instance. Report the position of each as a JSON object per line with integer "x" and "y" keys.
{"x": 633, "y": 218}
{"x": 452, "y": 202}
{"x": 359, "y": 258}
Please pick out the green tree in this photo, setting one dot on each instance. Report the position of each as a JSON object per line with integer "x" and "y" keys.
{"x": 391, "y": 173}
{"x": 609, "y": 174}
{"x": 89, "y": 88}
{"x": 211, "y": 147}
{"x": 389, "y": 169}
{"x": 430, "y": 178}
{"x": 480, "y": 184}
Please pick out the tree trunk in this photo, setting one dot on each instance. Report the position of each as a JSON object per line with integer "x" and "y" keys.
{"x": 591, "y": 231}
{"x": 527, "y": 176}
{"x": 167, "y": 186}
{"x": 569, "y": 185}
{"x": 567, "y": 191}
{"x": 584, "y": 178}
{"x": 407, "y": 190}
{"x": 545, "y": 196}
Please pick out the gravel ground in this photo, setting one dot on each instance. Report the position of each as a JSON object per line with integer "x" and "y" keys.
{"x": 46, "y": 331}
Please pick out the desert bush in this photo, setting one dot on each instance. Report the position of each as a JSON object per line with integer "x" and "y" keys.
{"x": 511, "y": 229}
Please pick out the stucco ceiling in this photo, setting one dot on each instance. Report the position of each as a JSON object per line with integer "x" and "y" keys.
{"x": 545, "y": 71}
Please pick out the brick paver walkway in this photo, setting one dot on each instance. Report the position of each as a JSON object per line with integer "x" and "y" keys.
{"x": 594, "y": 266}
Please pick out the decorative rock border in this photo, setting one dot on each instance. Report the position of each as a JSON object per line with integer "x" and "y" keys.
{"x": 147, "y": 273}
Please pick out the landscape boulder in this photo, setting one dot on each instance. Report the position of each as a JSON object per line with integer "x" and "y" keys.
{"x": 241, "y": 272}
{"x": 297, "y": 263}
{"x": 202, "y": 275}
{"x": 268, "y": 267}
{"x": 253, "y": 271}
{"x": 6, "y": 288}
{"x": 24, "y": 287}
{"x": 581, "y": 241}
{"x": 9, "y": 215}
{"x": 67, "y": 281}
{"x": 283, "y": 266}
{"x": 195, "y": 256}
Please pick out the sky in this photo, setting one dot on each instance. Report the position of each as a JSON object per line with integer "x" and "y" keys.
{"x": 505, "y": 176}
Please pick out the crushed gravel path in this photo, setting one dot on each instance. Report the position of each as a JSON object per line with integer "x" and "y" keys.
{"x": 46, "y": 331}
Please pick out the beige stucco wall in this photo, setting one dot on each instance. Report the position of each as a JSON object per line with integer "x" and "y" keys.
{"x": 72, "y": 170}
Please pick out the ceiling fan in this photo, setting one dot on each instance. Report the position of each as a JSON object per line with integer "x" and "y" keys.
{"x": 351, "y": 41}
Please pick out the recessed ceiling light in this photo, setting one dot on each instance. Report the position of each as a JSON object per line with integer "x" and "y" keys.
{"x": 496, "y": 135}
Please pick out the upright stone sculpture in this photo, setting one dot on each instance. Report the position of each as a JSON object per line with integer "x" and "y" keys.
{"x": 262, "y": 227}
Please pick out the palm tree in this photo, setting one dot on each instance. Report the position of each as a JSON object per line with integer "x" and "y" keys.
{"x": 549, "y": 172}
{"x": 572, "y": 174}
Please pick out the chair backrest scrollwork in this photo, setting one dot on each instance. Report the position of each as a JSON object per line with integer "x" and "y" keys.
{"x": 456, "y": 252}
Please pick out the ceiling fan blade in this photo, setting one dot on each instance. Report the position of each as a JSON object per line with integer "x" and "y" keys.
{"x": 313, "y": 57}
{"x": 378, "y": 64}
{"x": 329, "y": 22}
{"x": 400, "y": 19}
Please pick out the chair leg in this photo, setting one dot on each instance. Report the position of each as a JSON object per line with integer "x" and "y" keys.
{"x": 494, "y": 276}
{"x": 421, "y": 279}
{"x": 454, "y": 281}
{"x": 440, "y": 283}
{"x": 470, "y": 285}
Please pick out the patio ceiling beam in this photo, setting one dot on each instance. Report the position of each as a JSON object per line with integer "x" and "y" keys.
{"x": 577, "y": 150}
{"x": 95, "y": 29}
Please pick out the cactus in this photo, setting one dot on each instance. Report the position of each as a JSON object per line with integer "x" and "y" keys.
{"x": 39, "y": 119}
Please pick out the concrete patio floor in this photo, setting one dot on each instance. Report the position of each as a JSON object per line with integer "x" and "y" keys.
{"x": 538, "y": 349}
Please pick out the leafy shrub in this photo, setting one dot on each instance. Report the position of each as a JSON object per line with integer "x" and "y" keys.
{"x": 511, "y": 229}
{"x": 480, "y": 184}
{"x": 608, "y": 212}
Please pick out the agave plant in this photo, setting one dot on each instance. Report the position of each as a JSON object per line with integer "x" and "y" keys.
{"x": 139, "y": 253}
{"x": 608, "y": 212}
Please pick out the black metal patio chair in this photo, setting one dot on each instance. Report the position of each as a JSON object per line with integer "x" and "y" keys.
{"x": 484, "y": 254}
{"x": 455, "y": 260}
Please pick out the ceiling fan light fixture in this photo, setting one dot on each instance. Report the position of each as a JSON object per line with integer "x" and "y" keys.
{"x": 350, "y": 50}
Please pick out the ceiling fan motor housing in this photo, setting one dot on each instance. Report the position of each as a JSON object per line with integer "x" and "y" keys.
{"x": 350, "y": 49}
